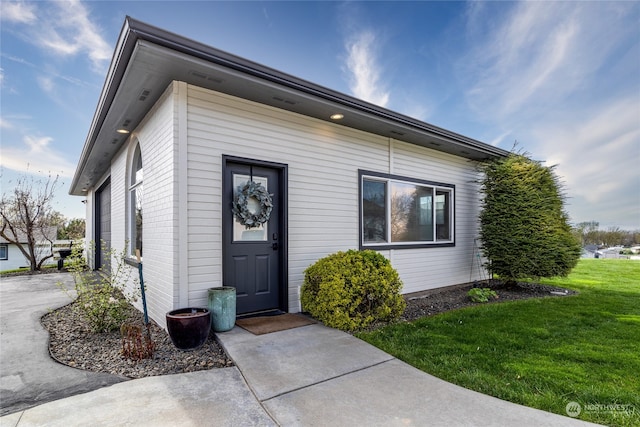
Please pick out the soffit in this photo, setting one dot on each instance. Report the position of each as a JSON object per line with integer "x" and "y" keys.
{"x": 144, "y": 68}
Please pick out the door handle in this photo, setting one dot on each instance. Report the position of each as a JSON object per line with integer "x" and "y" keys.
{"x": 274, "y": 246}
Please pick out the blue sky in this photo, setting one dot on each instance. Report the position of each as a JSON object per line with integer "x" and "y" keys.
{"x": 560, "y": 78}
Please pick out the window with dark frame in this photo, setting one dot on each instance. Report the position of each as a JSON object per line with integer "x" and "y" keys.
{"x": 404, "y": 212}
{"x": 135, "y": 202}
{"x": 4, "y": 251}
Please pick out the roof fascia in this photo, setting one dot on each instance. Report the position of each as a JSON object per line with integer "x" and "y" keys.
{"x": 121, "y": 55}
{"x": 182, "y": 44}
{"x": 134, "y": 30}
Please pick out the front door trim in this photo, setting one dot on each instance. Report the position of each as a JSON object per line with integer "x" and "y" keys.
{"x": 282, "y": 169}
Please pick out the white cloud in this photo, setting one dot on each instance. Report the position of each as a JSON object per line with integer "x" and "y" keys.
{"x": 536, "y": 54}
{"x": 563, "y": 78}
{"x": 594, "y": 151}
{"x": 68, "y": 30}
{"x": 498, "y": 139}
{"x": 415, "y": 110}
{"x": 36, "y": 156}
{"x": 17, "y": 59}
{"x": 46, "y": 83}
{"x": 364, "y": 70}
{"x": 4, "y": 124}
{"x": 61, "y": 28}
{"x": 19, "y": 11}
{"x": 597, "y": 153}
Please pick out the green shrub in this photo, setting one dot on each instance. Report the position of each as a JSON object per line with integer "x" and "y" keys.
{"x": 103, "y": 298}
{"x": 481, "y": 294}
{"x": 524, "y": 230}
{"x": 350, "y": 290}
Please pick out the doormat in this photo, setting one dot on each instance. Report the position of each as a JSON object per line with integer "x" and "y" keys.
{"x": 267, "y": 324}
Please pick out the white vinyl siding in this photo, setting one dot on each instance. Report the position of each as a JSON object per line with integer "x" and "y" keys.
{"x": 437, "y": 267}
{"x": 322, "y": 187}
{"x": 16, "y": 259}
{"x": 323, "y": 160}
{"x": 183, "y": 139}
{"x": 156, "y": 136}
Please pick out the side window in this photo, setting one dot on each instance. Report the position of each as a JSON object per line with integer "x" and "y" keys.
{"x": 374, "y": 211}
{"x": 4, "y": 251}
{"x": 136, "y": 193}
{"x": 400, "y": 212}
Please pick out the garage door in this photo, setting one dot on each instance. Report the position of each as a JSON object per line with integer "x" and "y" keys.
{"x": 103, "y": 226}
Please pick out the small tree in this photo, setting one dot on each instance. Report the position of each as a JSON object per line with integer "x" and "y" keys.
{"x": 525, "y": 232}
{"x": 587, "y": 232}
{"x": 73, "y": 229}
{"x": 27, "y": 218}
{"x": 103, "y": 299}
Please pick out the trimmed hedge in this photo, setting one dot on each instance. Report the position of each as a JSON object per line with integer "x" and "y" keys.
{"x": 350, "y": 290}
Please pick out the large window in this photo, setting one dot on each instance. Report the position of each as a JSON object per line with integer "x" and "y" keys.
{"x": 135, "y": 202}
{"x": 403, "y": 212}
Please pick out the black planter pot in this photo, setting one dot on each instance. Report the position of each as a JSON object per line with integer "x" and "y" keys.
{"x": 189, "y": 327}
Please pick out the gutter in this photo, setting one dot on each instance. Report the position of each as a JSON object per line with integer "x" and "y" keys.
{"x": 134, "y": 30}
{"x": 190, "y": 47}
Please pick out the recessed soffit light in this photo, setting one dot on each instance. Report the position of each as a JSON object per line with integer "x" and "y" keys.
{"x": 337, "y": 116}
{"x": 123, "y": 131}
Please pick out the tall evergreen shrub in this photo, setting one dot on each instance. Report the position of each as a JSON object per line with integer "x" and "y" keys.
{"x": 524, "y": 229}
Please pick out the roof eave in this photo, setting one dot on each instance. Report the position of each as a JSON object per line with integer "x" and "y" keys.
{"x": 133, "y": 31}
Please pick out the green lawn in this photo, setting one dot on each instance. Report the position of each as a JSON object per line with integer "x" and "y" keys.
{"x": 542, "y": 353}
{"x": 26, "y": 269}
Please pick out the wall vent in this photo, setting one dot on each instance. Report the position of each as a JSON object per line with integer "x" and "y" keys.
{"x": 198, "y": 75}
{"x": 204, "y": 76}
{"x": 286, "y": 101}
{"x": 144, "y": 94}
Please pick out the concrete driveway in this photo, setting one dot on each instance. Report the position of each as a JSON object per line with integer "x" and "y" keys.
{"x": 27, "y": 375}
{"x": 307, "y": 376}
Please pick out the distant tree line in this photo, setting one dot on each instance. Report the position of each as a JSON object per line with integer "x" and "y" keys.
{"x": 589, "y": 233}
{"x": 68, "y": 229}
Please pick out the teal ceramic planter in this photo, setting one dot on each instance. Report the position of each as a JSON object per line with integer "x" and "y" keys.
{"x": 222, "y": 304}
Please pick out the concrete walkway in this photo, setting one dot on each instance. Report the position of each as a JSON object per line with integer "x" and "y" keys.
{"x": 308, "y": 376}
{"x": 28, "y": 375}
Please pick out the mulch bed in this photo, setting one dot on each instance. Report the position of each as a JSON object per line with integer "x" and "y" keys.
{"x": 74, "y": 344}
{"x": 436, "y": 301}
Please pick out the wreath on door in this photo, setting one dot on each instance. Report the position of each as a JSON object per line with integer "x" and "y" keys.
{"x": 252, "y": 204}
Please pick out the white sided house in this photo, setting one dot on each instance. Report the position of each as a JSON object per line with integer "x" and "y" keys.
{"x": 12, "y": 258}
{"x": 180, "y": 126}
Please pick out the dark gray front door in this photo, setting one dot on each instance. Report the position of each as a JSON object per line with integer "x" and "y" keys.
{"x": 255, "y": 258}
